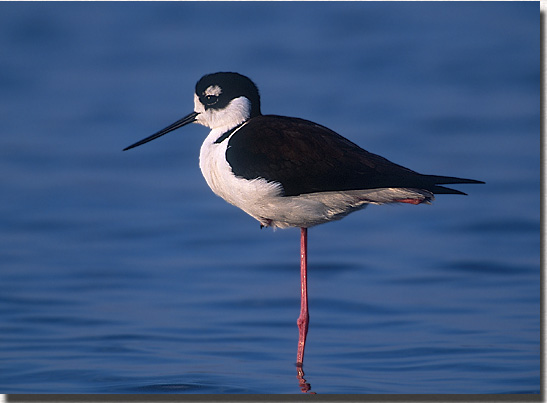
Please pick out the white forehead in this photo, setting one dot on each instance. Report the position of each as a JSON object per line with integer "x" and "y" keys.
{"x": 214, "y": 90}
{"x": 198, "y": 106}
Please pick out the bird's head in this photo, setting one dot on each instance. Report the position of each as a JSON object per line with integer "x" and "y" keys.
{"x": 221, "y": 101}
{"x": 225, "y": 100}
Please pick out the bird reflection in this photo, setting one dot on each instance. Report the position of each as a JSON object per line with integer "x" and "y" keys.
{"x": 305, "y": 387}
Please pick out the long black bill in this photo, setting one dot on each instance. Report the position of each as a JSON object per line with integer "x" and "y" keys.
{"x": 179, "y": 123}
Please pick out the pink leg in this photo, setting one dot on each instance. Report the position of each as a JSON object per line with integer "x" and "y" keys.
{"x": 304, "y": 318}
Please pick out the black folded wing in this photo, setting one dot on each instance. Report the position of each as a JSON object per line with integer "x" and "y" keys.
{"x": 305, "y": 157}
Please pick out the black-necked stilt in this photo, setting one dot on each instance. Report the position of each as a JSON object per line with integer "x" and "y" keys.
{"x": 290, "y": 172}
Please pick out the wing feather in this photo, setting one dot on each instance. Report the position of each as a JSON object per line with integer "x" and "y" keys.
{"x": 305, "y": 157}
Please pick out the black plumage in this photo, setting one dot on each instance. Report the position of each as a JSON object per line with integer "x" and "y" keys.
{"x": 305, "y": 157}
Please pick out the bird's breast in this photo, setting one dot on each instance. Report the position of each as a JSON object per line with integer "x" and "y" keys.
{"x": 243, "y": 193}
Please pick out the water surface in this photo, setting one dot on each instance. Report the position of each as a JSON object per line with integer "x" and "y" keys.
{"x": 123, "y": 273}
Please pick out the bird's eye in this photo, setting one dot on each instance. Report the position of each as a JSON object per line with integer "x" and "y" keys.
{"x": 210, "y": 99}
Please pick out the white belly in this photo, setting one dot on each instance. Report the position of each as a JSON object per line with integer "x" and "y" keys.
{"x": 252, "y": 196}
{"x": 265, "y": 202}
{"x": 259, "y": 198}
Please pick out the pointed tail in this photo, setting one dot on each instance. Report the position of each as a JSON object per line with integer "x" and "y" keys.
{"x": 436, "y": 180}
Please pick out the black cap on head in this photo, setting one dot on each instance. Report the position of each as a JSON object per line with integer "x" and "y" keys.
{"x": 230, "y": 86}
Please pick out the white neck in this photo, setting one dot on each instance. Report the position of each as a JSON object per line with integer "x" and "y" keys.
{"x": 221, "y": 120}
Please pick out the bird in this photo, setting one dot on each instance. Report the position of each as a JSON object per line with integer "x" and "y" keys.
{"x": 291, "y": 172}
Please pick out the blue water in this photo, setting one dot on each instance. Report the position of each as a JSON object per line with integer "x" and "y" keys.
{"x": 121, "y": 272}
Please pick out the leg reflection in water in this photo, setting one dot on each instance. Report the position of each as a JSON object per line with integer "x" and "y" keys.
{"x": 305, "y": 387}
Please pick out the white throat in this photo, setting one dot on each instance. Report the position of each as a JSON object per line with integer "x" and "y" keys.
{"x": 237, "y": 112}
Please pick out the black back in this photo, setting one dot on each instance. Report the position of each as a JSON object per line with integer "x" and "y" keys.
{"x": 306, "y": 158}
